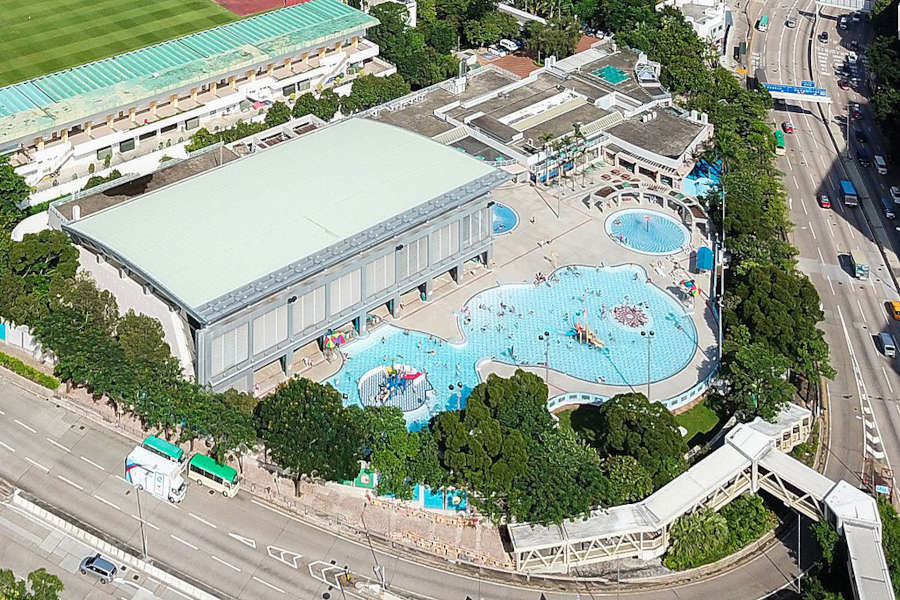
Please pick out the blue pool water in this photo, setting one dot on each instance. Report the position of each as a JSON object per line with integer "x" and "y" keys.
{"x": 647, "y": 231}
{"x": 702, "y": 179}
{"x": 505, "y": 219}
{"x": 503, "y": 323}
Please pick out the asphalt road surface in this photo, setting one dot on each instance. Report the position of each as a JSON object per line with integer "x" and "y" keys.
{"x": 865, "y": 417}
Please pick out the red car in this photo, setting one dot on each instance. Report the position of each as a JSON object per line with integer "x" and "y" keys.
{"x": 843, "y": 84}
{"x": 788, "y": 127}
{"x": 856, "y": 111}
{"x": 824, "y": 202}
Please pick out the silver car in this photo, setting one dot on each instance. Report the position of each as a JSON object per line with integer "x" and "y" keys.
{"x": 99, "y": 567}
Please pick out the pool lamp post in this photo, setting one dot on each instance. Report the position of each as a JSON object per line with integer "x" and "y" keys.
{"x": 649, "y": 335}
{"x": 545, "y": 337}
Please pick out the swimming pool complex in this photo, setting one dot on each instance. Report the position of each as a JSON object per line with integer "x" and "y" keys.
{"x": 505, "y": 219}
{"x": 616, "y": 304}
{"x": 647, "y": 231}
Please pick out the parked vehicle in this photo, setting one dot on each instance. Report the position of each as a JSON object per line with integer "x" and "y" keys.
{"x": 155, "y": 474}
{"x": 895, "y": 194}
{"x": 856, "y": 110}
{"x": 886, "y": 341}
{"x": 788, "y": 127}
{"x": 843, "y": 22}
{"x": 861, "y": 137}
{"x": 165, "y": 449}
{"x": 880, "y": 164}
{"x": 207, "y": 472}
{"x": 862, "y": 155}
{"x": 824, "y": 201}
{"x": 791, "y": 22}
{"x": 763, "y": 23}
{"x": 843, "y": 84}
{"x": 895, "y": 309}
{"x": 823, "y": 37}
{"x": 888, "y": 205}
{"x": 99, "y": 567}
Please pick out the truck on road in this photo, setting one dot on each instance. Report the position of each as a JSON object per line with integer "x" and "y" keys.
{"x": 155, "y": 474}
{"x": 848, "y": 190}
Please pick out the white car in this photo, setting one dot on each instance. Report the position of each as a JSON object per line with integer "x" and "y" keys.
{"x": 895, "y": 193}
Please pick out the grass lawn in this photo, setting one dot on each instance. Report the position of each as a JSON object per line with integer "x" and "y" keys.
{"x": 42, "y": 36}
{"x": 700, "y": 422}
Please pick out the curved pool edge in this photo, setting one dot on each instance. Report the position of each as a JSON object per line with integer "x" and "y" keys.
{"x": 670, "y": 218}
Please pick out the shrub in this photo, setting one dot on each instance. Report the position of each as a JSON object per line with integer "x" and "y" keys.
{"x": 28, "y": 372}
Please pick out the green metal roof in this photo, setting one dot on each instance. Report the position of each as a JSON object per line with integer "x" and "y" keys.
{"x": 211, "y": 466}
{"x": 106, "y": 85}
{"x": 212, "y": 234}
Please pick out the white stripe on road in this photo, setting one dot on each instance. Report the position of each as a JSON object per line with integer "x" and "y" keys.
{"x": 107, "y": 502}
{"x": 7, "y": 446}
{"x": 202, "y": 520}
{"x": 90, "y": 462}
{"x": 38, "y": 465}
{"x": 145, "y": 522}
{"x": 2, "y": 412}
{"x": 821, "y": 258}
{"x": 831, "y": 285}
{"x": 227, "y": 564}
{"x": 888, "y": 380}
{"x": 58, "y": 445}
{"x": 861, "y": 311}
{"x": 811, "y": 230}
{"x": 266, "y": 583}
{"x": 178, "y": 539}
{"x": 70, "y": 482}
{"x": 31, "y": 429}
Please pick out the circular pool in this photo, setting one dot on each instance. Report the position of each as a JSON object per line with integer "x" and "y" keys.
{"x": 505, "y": 219}
{"x": 647, "y": 231}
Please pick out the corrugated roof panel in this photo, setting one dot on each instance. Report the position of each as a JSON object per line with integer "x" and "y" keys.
{"x": 211, "y": 42}
{"x": 12, "y": 100}
{"x": 34, "y": 94}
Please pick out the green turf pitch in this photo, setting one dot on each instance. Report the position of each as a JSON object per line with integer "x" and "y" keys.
{"x": 42, "y": 36}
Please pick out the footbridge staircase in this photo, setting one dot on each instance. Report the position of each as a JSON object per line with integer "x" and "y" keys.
{"x": 749, "y": 461}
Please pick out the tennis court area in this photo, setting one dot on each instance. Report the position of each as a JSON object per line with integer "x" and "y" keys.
{"x": 43, "y": 36}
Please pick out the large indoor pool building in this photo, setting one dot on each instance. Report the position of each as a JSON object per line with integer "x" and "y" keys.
{"x": 271, "y": 252}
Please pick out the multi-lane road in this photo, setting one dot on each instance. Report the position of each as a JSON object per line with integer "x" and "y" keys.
{"x": 865, "y": 417}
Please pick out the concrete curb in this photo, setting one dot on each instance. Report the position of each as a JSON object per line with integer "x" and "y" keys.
{"x": 109, "y": 549}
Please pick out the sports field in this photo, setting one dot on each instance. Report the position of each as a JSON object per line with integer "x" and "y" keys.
{"x": 41, "y": 36}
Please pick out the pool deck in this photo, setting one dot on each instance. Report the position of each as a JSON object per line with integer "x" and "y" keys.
{"x": 577, "y": 236}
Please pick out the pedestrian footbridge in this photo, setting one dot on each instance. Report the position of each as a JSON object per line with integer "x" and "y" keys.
{"x": 749, "y": 461}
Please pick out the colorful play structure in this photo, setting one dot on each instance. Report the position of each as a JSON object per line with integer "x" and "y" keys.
{"x": 585, "y": 335}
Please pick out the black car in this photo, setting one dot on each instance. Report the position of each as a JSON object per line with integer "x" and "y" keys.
{"x": 861, "y": 137}
{"x": 823, "y": 37}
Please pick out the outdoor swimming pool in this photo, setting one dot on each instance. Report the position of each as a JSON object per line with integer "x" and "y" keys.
{"x": 504, "y": 324}
{"x": 505, "y": 218}
{"x": 647, "y": 231}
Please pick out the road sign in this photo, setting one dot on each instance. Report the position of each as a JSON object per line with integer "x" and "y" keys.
{"x": 807, "y": 84}
{"x": 796, "y": 89}
{"x": 882, "y": 489}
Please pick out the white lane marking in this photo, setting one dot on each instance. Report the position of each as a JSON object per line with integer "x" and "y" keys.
{"x": 202, "y": 520}
{"x": 811, "y": 180}
{"x": 282, "y": 556}
{"x": 38, "y": 465}
{"x": 107, "y": 502}
{"x": 58, "y": 445}
{"x": 90, "y": 462}
{"x": 861, "y": 311}
{"x": 821, "y": 258}
{"x": 186, "y": 543}
{"x": 2, "y": 412}
{"x": 803, "y": 205}
{"x": 266, "y": 583}
{"x": 796, "y": 185}
{"x": 831, "y": 285}
{"x": 31, "y": 429}
{"x": 850, "y": 229}
{"x": 7, "y": 446}
{"x": 788, "y": 159}
{"x": 811, "y": 230}
{"x": 144, "y": 521}
{"x": 888, "y": 380}
{"x": 244, "y": 540}
{"x": 70, "y": 482}
{"x": 227, "y": 564}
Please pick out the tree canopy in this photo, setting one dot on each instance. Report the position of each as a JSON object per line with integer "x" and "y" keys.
{"x": 40, "y": 585}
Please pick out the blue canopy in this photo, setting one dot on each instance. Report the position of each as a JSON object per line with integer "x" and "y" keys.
{"x": 704, "y": 258}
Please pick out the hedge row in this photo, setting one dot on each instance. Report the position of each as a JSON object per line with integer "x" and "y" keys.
{"x": 17, "y": 366}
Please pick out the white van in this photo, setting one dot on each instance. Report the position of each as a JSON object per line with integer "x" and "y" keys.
{"x": 509, "y": 45}
{"x": 886, "y": 341}
{"x": 880, "y": 164}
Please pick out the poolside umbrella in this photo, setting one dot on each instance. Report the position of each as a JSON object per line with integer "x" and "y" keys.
{"x": 690, "y": 287}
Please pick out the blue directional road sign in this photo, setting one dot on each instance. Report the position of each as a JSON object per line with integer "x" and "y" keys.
{"x": 796, "y": 89}
{"x": 807, "y": 83}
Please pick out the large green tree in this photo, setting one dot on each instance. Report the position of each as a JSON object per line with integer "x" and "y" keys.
{"x": 43, "y": 586}
{"x": 13, "y": 193}
{"x": 629, "y": 425}
{"x": 307, "y": 431}
{"x": 756, "y": 377}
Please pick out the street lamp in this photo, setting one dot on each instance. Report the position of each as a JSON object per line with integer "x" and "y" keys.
{"x": 137, "y": 494}
{"x": 545, "y": 337}
{"x": 649, "y": 335}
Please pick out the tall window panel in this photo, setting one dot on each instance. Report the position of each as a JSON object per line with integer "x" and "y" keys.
{"x": 380, "y": 273}
{"x": 270, "y": 329}
{"x": 309, "y": 309}
{"x": 345, "y": 292}
{"x": 229, "y": 349}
